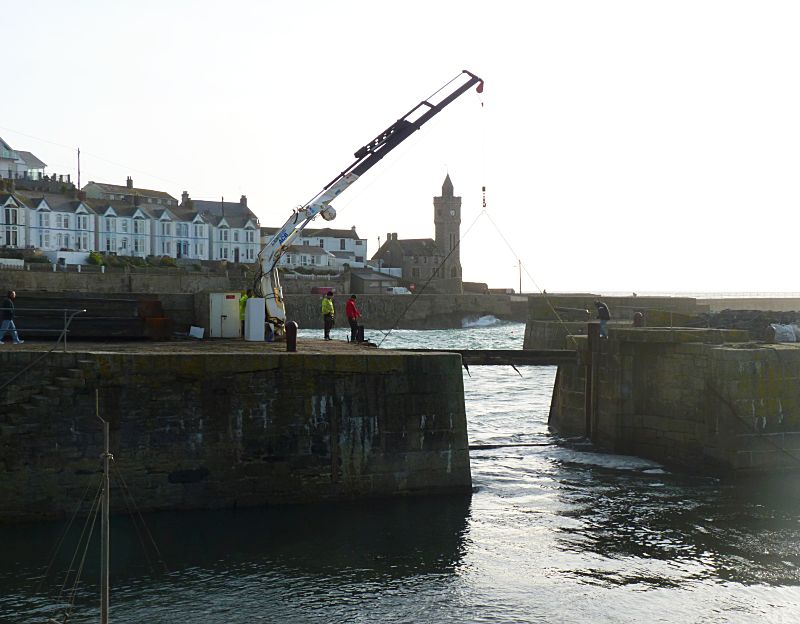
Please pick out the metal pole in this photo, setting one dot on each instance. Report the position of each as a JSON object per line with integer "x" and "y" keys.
{"x": 520, "y": 275}
{"x": 104, "y": 526}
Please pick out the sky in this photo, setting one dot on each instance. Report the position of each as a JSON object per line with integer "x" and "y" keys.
{"x": 624, "y": 146}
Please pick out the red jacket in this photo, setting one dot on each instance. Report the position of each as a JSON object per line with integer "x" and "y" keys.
{"x": 350, "y": 310}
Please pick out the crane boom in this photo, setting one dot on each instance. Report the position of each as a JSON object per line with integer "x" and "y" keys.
{"x": 267, "y": 283}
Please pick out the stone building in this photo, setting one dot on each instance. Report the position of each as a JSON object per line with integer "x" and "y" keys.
{"x": 424, "y": 260}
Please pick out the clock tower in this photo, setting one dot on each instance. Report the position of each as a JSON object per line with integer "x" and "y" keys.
{"x": 447, "y": 219}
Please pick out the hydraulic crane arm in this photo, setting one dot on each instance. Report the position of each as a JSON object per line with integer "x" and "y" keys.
{"x": 267, "y": 283}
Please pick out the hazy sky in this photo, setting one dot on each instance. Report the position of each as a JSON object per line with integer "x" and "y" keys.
{"x": 625, "y": 146}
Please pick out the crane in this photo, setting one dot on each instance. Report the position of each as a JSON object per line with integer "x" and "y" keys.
{"x": 267, "y": 282}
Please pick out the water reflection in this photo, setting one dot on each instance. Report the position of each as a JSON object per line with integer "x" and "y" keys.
{"x": 701, "y": 528}
{"x": 372, "y": 542}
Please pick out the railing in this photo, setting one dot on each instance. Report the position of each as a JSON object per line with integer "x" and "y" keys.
{"x": 68, "y": 316}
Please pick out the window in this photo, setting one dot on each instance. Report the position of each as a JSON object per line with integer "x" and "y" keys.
{"x": 249, "y": 235}
{"x": 342, "y": 244}
{"x": 359, "y": 258}
{"x": 124, "y": 225}
{"x": 110, "y": 224}
{"x": 358, "y": 243}
{"x": 166, "y": 229}
{"x": 225, "y": 253}
{"x": 11, "y": 236}
{"x": 58, "y": 241}
{"x": 82, "y": 222}
{"x": 124, "y": 244}
{"x": 321, "y": 243}
{"x": 305, "y": 243}
{"x": 44, "y": 219}
{"x": 165, "y": 247}
{"x": 66, "y": 241}
{"x": 223, "y": 234}
{"x": 236, "y": 236}
{"x": 58, "y": 220}
{"x": 198, "y": 231}
{"x": 453, "y": 241}
{"x": 138, "y": 245}
{"x": 138, "y": 226}
{"x": 11, "y": 216}
{"x": 66, "y": 221}
{"x": 108, "y": 243}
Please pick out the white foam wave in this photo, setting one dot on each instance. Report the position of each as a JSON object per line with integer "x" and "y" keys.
{"x": 483, "y": 321}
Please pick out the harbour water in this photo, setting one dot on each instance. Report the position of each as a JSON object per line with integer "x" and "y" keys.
{"x": 553, "y": 532}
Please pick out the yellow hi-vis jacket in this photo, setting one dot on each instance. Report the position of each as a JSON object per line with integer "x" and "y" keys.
{"x": 327, "y": 306}
{"x": 242, "y": 304}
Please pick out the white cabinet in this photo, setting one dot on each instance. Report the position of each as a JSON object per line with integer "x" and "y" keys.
{"x": 223, "y": 317}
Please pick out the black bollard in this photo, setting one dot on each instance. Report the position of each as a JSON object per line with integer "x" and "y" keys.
{"x": 291, "y": 336}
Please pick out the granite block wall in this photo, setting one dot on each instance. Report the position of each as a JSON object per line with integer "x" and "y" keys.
{"x": 214, "y": 430}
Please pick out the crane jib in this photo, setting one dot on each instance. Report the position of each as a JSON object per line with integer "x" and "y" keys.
{"x": 366, "y": 157}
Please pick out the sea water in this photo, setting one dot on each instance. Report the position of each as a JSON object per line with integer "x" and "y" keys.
{"x": 555, "y": 531}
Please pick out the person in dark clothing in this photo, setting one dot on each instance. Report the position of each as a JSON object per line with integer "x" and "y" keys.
{"x": 604, "y": 315}
{"x": 7, "y": 314}
{"x": 352, "y": 317}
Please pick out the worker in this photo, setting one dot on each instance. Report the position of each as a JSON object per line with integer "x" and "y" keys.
{"x": 242, "y": 305}
{"x": 328, "y": 314}
{"x": 352, "y": 313}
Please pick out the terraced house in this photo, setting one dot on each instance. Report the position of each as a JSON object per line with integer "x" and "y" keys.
{"x": 127, "y": 221}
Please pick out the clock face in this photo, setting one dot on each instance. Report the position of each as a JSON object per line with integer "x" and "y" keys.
{"x": 452, "y": 213}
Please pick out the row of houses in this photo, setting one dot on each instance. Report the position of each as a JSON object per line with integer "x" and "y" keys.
{"x": 131, "y": 221}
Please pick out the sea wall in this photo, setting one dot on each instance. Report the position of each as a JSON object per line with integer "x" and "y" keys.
{"x": 211, "y": 430}
{"x": 702, "y": 399}
{"x": 408, "y": 311}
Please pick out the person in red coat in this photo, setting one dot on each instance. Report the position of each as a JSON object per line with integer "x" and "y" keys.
{"x": 352, "y": 313}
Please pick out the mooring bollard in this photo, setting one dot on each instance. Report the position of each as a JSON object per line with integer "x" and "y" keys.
{"x": 291, "y": 336}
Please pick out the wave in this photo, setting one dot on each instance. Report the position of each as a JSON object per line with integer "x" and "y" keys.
{"x": 482, "y": 321}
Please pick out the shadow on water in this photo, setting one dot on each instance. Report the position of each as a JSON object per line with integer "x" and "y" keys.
{"x": 374, "y": 540}
{"x": 743, "y": 531}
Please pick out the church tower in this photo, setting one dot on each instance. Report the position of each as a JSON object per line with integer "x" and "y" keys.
{"x": 447, "y": 219}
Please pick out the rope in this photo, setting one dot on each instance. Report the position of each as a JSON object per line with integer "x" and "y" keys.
{"x": 428, "y": 281}
{"x": 61, "y": 539}
{"x": 128, "y": 495}
{"x": 530, "y": 277}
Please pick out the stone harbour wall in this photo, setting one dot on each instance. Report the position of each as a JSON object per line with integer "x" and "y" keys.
{"x": 705, "y": 400}
{"x": 211, "y": 430}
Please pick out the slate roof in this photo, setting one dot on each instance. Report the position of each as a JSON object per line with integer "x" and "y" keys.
{"x": 118, "y": 189}
{"x": 56, "y": 202}
{"x": 236, "y": 215}
{"x": 371, "y": 274}
{"x": 316, "y": 233}
{"x": 30, "y": 160}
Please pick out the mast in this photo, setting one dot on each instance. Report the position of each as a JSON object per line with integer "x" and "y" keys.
{"x": 104, "y": 523}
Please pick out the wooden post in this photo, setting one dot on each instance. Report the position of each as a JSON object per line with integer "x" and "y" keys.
{"x": 590, "y": 387}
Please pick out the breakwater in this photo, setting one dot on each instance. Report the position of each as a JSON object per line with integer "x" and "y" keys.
{"x": 702, "y": 399}
{"x": 231, "y": 424}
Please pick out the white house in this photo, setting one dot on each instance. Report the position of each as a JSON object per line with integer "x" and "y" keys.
{"x": 341, "y": 247}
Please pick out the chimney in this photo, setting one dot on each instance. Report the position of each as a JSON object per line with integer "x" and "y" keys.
{"x": 243, "y": 201}
{"x": 82, "y": 195}
{"x": 185, "y": 198}
{"x": 136, "y": 199}
{"x": 394, "y": 236}
{"x": 388, "y": 236}
{"x": 129, "y": 182}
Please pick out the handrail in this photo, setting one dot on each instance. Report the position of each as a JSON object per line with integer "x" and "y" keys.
{"x": 62, "y": 333}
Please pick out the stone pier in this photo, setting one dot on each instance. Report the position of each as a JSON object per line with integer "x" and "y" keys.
{"x": 702, "y": 399}
{"x": 228, "y": 423}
